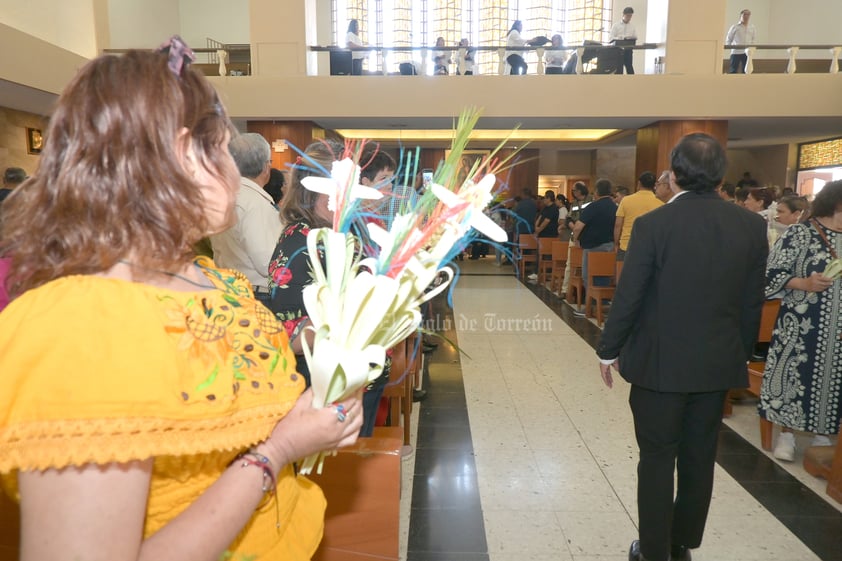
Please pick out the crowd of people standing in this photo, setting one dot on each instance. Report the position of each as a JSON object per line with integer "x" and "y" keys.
{"x": 119, "y": 337}
{"x": 687, "y": 233}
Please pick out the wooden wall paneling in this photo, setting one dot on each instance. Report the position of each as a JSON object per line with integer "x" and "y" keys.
{"x": 523, "y": 174}
{"x": 296, "y": 133}
{"x": 431, "y": 158}
{"x": 655, "y": 142}
{"x": 646, "y": 155}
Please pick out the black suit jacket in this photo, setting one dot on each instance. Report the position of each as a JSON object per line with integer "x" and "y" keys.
{"x": 687, "y": 308}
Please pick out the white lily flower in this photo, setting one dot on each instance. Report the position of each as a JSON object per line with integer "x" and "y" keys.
{"x": 401, "y": 229}
{"x": 382, "y": 238}
{"x": 450, "y": 235}
{"x": 344, "y": 178}
{"x": 477, "y": 195}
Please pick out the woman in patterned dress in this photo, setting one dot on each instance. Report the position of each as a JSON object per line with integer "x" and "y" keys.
{"x": 290, "y": 271}
{"x": 803, "y": 375}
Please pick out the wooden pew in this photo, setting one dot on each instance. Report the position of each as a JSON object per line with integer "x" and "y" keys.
{"x": 826, "y": 462}
{"x": 9, "y": 527}
{"x": 575, "y": 284}
{"x": 362, "y": 484}
{"x": 526, "y": 252}
{"x": 768, "y": 317}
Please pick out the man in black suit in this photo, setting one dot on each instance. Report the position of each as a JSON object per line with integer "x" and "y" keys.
{"x": 684, "y": 319}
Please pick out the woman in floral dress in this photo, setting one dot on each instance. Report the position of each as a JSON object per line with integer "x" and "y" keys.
{"x": 803, "y": 375}
{"x": 290, "y": 271}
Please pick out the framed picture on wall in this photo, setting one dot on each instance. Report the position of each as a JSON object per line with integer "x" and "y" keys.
{"x": 469, "y": 159}
{"x": 34, "y": 141}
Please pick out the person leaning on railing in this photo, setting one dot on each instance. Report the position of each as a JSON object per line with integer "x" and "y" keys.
{"x": 554, "y": 59}
{"x": 741, "y": 33}
{"x": 353, "y": 41}
{"x": 441, "y": 59}
{"x": 515, "y": 58}
{"x": 469, "y": 56}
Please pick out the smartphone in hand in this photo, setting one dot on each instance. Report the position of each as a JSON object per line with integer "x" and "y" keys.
{"x": 426, "y": 177}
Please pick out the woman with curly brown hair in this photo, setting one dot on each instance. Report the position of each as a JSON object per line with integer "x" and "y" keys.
{"x": 151, "y": 406}
{"x": 289, "y": 270}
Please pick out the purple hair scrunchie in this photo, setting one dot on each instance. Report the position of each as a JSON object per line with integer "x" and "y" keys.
{"x": 178, "y": 54}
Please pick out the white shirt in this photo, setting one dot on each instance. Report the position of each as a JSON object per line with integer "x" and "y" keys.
{"x": 247, "y": 246}
{"x": 443, "y": 55}
{"x": 555, "y": 59}
{"x": 740, "y": 34}
{"x": 513, "y": 39}
{"x": 622, "y": 30}
{"x": 352, "y": 37}
{"x": 469, "y": 60}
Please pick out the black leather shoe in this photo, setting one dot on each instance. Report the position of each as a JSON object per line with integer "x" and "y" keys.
{"x": 419, "y": 395}
{"x": 634, "y": 552}
{"x": 429, "y": 342}
{"x": 680, "y": 553}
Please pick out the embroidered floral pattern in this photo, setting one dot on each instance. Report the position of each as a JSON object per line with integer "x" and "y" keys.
{"x": 289, "y": 273}
{"x": 234, "y": 339}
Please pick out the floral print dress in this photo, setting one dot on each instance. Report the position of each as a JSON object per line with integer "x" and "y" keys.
{"x": 803, "y": 375}
{"x": 289, "y": 273}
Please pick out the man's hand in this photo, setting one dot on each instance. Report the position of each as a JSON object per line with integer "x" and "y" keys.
{"x": 605, "y": 371}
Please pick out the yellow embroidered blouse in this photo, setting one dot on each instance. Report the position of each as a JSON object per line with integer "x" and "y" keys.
{"x": 96, "y": 370}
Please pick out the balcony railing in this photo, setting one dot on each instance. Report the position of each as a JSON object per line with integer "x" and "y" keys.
{"x": 216, "y": 61}
{"x": 586, "y": 55}
{"x": 793, "y": 52}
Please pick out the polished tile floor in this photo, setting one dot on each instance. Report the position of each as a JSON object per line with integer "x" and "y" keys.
{"x": 521, "y": 453}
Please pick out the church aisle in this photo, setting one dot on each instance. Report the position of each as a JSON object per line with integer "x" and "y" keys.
{"x": 554, "y": 450}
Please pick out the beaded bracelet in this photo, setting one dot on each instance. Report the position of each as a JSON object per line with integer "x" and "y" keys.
{"x": 253, "y": 458}
{"x": 261, "y": 461}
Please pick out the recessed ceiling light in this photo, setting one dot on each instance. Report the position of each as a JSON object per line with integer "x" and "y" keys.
{"x": 529, "y": 135}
